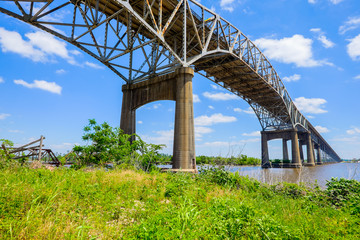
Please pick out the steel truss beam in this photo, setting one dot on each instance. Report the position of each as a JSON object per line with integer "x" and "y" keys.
{"x": 138, "y": 39}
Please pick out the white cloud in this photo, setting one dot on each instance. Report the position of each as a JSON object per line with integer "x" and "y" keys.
{"x": 205, "y": 120}
{"x": 200, "y": 131}
{"x": 357, "y": 77}
{"x": 321, "y": 129}
{"x": 211, "y": 107}
{"x": 15, "y": 131}
{"x": 353, "y": 48}
{"x": 220, "y": 96}
{"x": 140, "y": 122}
{"x": 196, "y": 98}
{"x": 336, "y": 1}
{"x": 93, "y": 65}
{"x": 310, "y": 105}
{"x": 41, "y": 84}
{"x": 351, "y": 24}
{"x": 353, "y": 131}
{"x": 40, "y": 47}
{"x": 1, "y": 80}
{"x": 162, "y": 137}
{"x": 227, "y": 5}
{"x": 312, "y": 1}
{"x": 63, "y": 146}
{"x": 293, "y": 78}
{"x": 296, "y": 49}
{"x": 233, "y": 143}
{"x": 320, "y": 35}
{"x": 248, "y": 111}
{"x": 252, "y": 134}
{"x": 215, "y": 87}
{"x": 4, "y": 115}
{"x": 60, "y": 71}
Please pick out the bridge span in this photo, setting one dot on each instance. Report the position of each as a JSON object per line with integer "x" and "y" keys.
{"x": 156, "y": 46}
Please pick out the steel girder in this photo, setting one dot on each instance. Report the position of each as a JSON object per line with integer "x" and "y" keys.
{"x": 140, "y": 38}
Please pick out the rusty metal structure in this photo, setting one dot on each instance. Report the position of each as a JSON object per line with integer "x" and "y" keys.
{"x": 141, "y": 39}
{"x": 34, "y": 150}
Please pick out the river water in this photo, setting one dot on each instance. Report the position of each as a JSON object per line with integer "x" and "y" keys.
{"x": 319, "y": 174}
{"x": 309, "y": 175}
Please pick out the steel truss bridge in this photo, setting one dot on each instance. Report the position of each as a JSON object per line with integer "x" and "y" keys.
{"x": 140, "y": 39}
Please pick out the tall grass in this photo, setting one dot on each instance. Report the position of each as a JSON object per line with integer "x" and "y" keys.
{"x": 127, "y": 204}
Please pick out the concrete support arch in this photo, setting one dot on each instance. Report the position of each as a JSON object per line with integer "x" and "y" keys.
{"x": 175, "y": 86}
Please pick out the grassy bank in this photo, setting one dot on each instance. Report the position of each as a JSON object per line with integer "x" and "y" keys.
{"x": 127, "y": 204}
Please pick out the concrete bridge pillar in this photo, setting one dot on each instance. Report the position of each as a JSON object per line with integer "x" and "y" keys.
{"x": 301, "y": 149}
{"x": 265, "y": 163}
{"x": 285, "y": 150}
{"x": 295, "y": 151}
{"x": 184, "y": 137}
{"x": 128, "y": 117}
{"x": 310, "y": 151}
{"x": 175, "y": 86}
{"x": 318, "y": 152}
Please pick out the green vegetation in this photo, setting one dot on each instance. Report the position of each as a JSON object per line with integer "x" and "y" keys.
{"x": 241, "y": 160}
{"x": 127, "y": 204}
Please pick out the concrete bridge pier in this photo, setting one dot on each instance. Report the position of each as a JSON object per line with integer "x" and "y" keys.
{"x": 318, "y": 153}
{"x": 175, "y": 86}
{"x": 265, "y": 161}
{"x": 310, "y": 151}
{"x": 285, "y": 149}
{"x": 295, "y": 150}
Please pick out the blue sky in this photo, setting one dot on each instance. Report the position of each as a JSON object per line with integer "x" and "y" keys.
{"x": 52, "y": 89}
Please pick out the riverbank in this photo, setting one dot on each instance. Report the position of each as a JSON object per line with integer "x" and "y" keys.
{"x": 127, "y": 204}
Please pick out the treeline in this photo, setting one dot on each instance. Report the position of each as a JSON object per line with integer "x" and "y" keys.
{"x": 241, "y": 160}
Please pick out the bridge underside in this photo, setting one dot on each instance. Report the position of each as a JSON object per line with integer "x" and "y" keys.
{"x": 144, "y": 41}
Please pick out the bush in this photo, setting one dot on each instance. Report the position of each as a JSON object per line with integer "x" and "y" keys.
{"x": 112, "y": 145}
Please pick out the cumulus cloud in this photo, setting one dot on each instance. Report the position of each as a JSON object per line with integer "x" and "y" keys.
{"x": 227, "y": 5}
{"x": 220, "y": 96}
{"x": 41, "y": 84}
{"x": 1, "y": 80}
{"x": 293, "y": 78}
{"x": 321, "y": 129}
{"x": 353, "y": 48}
{"x": 196, "y": 98}
{"x": 336, "y": 1}
{"x": 40, "y": 46}
{"x": 211, "y": 107}
{"x": 161, "y": 137}
{"x": 60, "y": 71}
{"x": 312, "y": 1}
{"x": 4, "y": 115}
{"x": 353, "y": 131}
{"x": 200, "y": 131}
{"x": 93, "y": 65}
{"x": 252, "y": 134}
{"x": 248, "y": 111}
{"x": 205, "y": 120}
{"x": 351, "y": 24}
{"x": 296, "y": 50}
{"x": 320, "y": 35}
{"x": 140, "y": 122}
{"x": 310, "y": 105}
{"x": 357, "y": 77}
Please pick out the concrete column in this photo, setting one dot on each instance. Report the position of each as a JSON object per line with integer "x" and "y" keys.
{"x": 128, "y": 118}
{"x": 265, "y": 163}
{"x": 318, "y": 160}
{"x": 184, "y": 137}
{"x": 285, "y": 150}
{"x": 295, "y": 151}
{"x": 301, "y": 151}
{"x": 310, "y": 151}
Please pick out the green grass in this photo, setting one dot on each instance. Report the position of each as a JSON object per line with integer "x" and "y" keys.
{"x": 127, "y": 204}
